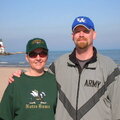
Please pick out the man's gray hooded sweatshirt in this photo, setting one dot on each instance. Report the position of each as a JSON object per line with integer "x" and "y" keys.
{"x": 88, "y": 93}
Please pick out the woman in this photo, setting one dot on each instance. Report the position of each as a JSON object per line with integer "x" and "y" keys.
{"x": 33, "y": 96}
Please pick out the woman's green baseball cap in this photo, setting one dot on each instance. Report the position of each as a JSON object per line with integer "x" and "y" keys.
{"x": 35, "y": 43}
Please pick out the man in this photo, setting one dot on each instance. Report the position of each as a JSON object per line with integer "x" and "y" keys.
{"x": 88, "y": 82}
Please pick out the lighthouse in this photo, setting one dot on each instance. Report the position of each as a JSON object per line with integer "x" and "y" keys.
{"x": 2, "y": 48}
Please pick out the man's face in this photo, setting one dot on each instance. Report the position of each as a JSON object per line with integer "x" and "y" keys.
{"x": 82, "y": 37}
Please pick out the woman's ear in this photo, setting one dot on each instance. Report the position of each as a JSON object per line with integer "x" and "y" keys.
{"x": 26, "y": 57}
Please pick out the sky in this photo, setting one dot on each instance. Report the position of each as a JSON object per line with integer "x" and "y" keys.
{"x": 22, "y": 20}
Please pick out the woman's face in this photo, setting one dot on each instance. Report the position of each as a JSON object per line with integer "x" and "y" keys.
{"x": 37, "y": 59}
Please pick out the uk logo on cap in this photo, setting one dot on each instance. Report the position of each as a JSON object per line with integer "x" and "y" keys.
{"x": 80, "y": 20}
{"x": 83, "y": 21}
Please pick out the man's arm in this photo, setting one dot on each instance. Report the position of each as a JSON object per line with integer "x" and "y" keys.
{"x": 114, "y": 94}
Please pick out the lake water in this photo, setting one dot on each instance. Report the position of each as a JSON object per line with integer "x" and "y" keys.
{"x": 19, "y": 59}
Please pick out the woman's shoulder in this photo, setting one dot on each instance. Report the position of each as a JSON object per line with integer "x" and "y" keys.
{"x": 49, "y": 74}
{"x": 19, "y": 79}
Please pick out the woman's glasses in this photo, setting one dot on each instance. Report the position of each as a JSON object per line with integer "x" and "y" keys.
{"x": 41, "y": 54}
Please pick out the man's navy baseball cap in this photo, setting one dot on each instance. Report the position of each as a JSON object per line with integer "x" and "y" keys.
{"x": 83, "y": 21}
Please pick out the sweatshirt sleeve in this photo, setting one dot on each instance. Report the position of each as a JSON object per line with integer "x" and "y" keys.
{"x": 52, "y": 68}
{"x": 114, "y": 95}
{"x": 6, "y": 105}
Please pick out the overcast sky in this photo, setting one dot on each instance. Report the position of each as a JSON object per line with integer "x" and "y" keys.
{"x": 22, "y": 20}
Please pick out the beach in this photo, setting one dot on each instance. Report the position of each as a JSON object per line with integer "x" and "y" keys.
{"x": 5, "y": 73}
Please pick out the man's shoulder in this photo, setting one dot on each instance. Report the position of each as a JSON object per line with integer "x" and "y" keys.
{"x": 106, "y": 60}
{"x": 59, "y": 62}
{"x": 63, "y": 57}
{"x": 104, "y": 57}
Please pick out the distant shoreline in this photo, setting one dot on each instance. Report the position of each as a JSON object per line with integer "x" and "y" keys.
{"x": 9, "y": 53}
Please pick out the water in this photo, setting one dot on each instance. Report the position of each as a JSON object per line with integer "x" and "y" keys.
{"x": 19, "y": 59}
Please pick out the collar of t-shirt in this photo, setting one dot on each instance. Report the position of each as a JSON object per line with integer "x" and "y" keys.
{"x": 83, "y": 62}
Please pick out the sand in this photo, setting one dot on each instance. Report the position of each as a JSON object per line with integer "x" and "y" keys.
{"x": 5, "y": 73}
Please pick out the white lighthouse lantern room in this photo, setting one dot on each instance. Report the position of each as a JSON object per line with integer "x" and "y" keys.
{"x": 2, "y": 48}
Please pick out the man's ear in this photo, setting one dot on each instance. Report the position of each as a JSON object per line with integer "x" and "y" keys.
{"x": 72, "y": 36}
{"x": 94, "y": 35}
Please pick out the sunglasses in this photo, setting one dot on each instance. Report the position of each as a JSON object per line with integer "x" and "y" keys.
{"x": 41, "y": 54}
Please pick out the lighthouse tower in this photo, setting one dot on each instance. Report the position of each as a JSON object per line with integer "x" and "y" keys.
{"x": 2, "y": 48}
